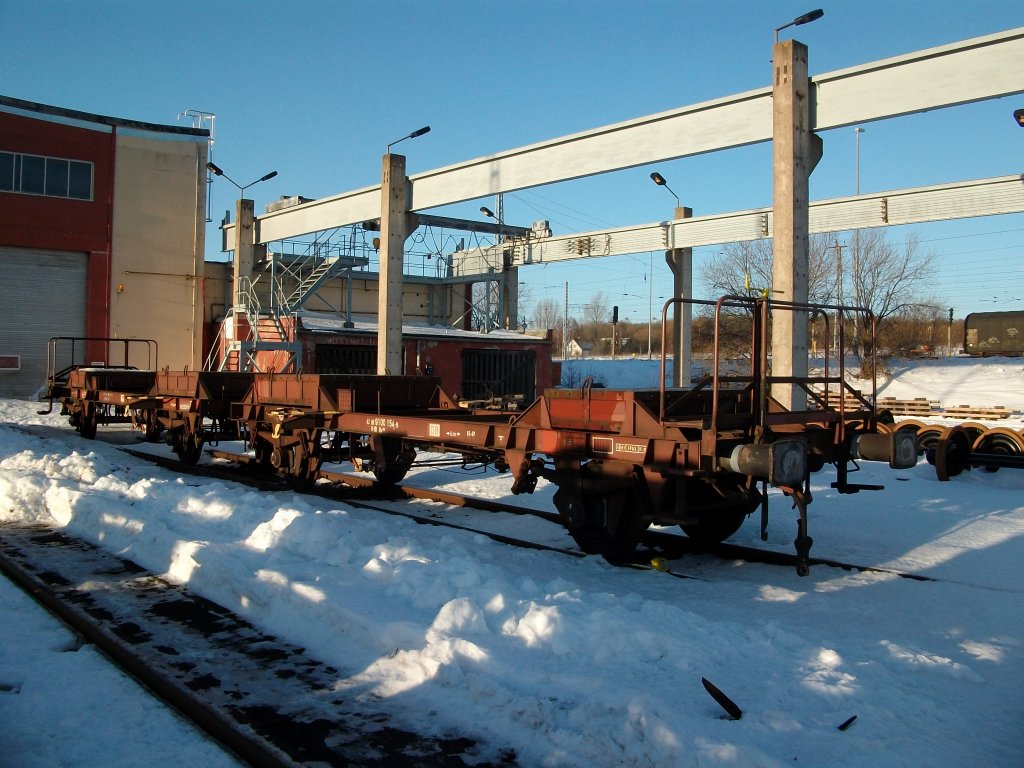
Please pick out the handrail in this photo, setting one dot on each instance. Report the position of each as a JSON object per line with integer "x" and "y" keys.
{"x": 760, "y": 309}
{"x": 128, "y": 345}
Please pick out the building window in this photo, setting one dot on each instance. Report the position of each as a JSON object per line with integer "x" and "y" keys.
{"x": 6, "y": 172}
{"x": 49, "y": 176}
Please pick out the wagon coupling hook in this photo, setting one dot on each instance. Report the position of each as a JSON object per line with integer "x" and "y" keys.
{"x": 802, "y": 542}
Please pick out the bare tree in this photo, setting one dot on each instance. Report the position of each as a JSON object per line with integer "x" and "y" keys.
{"x": 598, "y": 310}
{"x": 547, "y": 313}
{"x": 888, "y": 276}
{"x": 743, "y": 269}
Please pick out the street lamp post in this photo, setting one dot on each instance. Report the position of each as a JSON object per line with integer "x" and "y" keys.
{"x": 245, "y": 237}
{"x": 658, "y": 179}
{"x": 216, "y": 171}
{"x": 503, "y": 297}
{"x": 795, "y": 152}
{"x": 856, "y": 243}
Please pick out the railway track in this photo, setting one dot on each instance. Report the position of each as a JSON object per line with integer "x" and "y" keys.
{"x": 264, "y": 699}
{"x": 362, "y": 492}
{"x": 655, "y": 544}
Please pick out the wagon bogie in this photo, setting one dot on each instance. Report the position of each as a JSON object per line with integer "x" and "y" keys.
{"x": 603, "y": 505}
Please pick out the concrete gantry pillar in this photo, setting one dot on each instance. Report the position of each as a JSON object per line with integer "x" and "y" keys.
{"x": 394, "y": 206}
{"x": 509, "y": 290}
{"x": 680, "y": 261}
{"x": 245, "y": 257}
{"x": 245, "y": 245}
{"x": 796, "y": 150}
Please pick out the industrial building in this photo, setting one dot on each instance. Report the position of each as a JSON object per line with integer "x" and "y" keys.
{"x": 103, "y": 233}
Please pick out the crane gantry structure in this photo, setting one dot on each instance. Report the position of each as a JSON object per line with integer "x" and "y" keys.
{"x": 972, "y": 70}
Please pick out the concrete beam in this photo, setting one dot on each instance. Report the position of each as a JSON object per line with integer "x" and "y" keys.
{"x": 972, "y": 70}
{"x": 940, "y": 202}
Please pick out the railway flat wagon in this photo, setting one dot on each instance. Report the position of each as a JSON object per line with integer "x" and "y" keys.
{"x": 622, "y": 460}
{"x": 700, "y": 457}
{"x": 195, "y": 408}
{"x": 107, "y": 390}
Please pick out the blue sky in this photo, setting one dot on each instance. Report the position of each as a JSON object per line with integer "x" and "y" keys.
{"x": 315, "y": 90}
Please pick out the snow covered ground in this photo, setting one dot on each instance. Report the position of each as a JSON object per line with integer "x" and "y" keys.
{"x": 566, "y": 662}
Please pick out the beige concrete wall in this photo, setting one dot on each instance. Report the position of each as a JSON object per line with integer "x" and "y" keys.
{"x": 447, "y": 301}
{"x": 416, "y": 298}
{"x": 157, "y": 246}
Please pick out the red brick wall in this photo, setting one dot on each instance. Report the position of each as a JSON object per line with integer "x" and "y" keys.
{"x": 57, "y": 224}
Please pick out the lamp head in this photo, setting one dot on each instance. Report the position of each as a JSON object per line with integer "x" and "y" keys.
{"x": 486, "y": 211}
{"x": 808, "y": 17}
{"x": 1018, "y": 115}
{"x": 214, "y": 169}
{"x": 415, "y": 134}
{"x": 658, "y": 179}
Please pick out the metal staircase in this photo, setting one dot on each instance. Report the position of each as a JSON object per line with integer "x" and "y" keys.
{"x": 309, "y": 284}
{"x": 254, "y": 339}
{"x": 320, "y": 262}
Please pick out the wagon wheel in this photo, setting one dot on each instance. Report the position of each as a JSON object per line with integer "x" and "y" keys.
{"x": 87, "y": 421}
{"x": 153, "y": 427}
{"x": 398, "y": 458}
{"x": 914, "y": 426}
{"x": 303, "y": 470}
{"x": 885, "y": 422}
{"x": 715, "y": 526}
{"x": 973, "y": 430}
{"x": 188, "y": 446}
{"x": 609, "y": 524}
{"x": 1001, "y": 441}
{"x": 951, "y": 453}
{"x": 263, "y": 450}
{"x": 927, "y": 439}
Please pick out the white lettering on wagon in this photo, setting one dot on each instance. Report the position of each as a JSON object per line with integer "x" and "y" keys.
{"x": 379, "y": 424}
{"x": 434, "y": 430}
{"x": 630, "y": 448}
